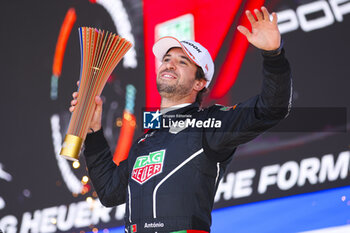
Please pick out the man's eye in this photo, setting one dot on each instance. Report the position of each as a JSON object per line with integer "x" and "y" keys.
{"x": 165, "y": 59}
{"x": 183, "y": 62}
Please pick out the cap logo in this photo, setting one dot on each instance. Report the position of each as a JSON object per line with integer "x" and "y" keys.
{"x": 192, "y": 45}
{"x": 193, "y": 58}
{"x": 206, "y": 67}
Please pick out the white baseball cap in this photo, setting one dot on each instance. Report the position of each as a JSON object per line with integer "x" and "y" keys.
{"x": 193, "y": 50}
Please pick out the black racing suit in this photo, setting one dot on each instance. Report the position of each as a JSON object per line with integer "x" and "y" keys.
{"x": 169, "y": 180}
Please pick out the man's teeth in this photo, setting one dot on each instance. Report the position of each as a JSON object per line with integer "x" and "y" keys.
{"x": 167, "y": 76}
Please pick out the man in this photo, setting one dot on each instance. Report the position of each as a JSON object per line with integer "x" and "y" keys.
{"x": 170, "y": 177}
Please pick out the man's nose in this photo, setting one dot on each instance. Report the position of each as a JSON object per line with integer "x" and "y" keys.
{"x": 170, "y": 65}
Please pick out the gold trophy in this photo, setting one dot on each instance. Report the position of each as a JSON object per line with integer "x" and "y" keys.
{"x": 100, "y": 53}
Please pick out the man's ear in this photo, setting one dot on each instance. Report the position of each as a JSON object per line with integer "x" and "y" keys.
{"x": 199, "y": 84}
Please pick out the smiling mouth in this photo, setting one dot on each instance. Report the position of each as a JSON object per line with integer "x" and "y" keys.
{"x": 167, "y": 75}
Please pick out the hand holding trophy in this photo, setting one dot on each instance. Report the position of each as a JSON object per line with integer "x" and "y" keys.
{"x": 100, "y": 53}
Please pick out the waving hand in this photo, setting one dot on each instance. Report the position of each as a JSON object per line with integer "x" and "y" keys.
{"x": 265, "y": 34}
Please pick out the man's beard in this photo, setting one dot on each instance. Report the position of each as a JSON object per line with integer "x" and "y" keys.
{"x": 173, "y": 90}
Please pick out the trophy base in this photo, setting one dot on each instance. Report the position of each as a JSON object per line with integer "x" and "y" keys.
{"x": 71, "y": 147}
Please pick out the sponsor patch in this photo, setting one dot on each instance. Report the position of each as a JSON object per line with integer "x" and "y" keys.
{"x": 146, "y": 136}
{"x": 147, "y": 166}
{"x": 227, "y": 108}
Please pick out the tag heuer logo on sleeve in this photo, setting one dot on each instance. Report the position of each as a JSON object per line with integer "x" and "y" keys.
{"x": 147, "y": 166}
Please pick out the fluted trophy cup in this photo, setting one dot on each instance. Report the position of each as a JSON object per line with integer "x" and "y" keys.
{"x": 100, "y": 53}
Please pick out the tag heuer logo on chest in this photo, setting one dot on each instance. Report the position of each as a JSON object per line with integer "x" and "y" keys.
{"x": 147, "y": 166}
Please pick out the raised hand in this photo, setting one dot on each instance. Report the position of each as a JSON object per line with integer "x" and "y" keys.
{"x": 95, "y": 123}
{"x": 265, "y": 34}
